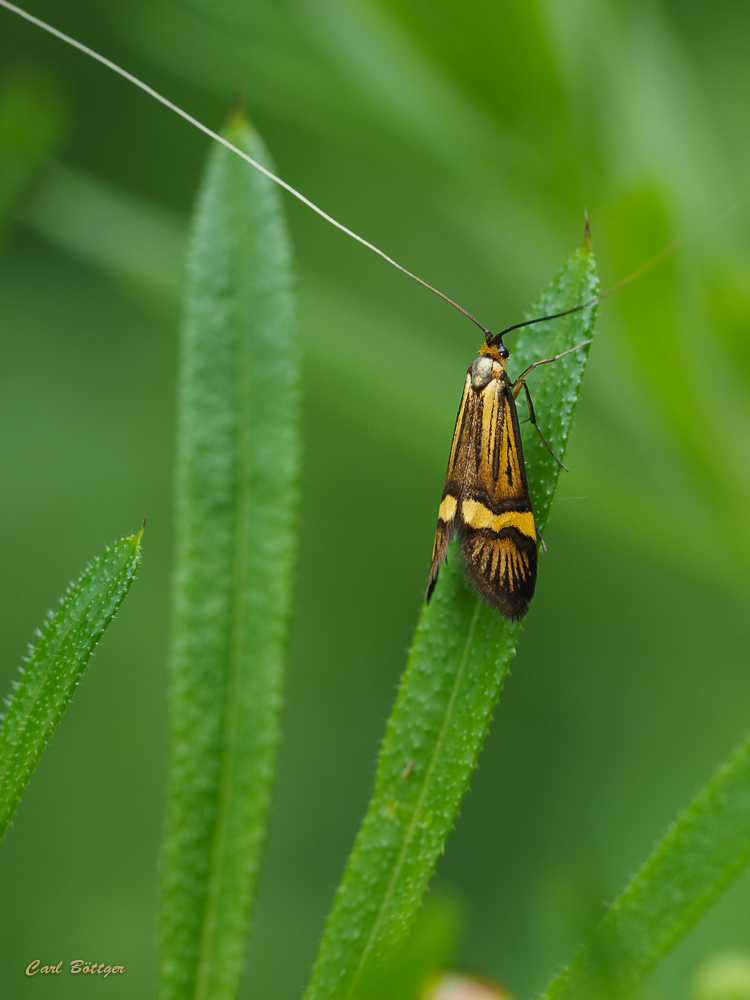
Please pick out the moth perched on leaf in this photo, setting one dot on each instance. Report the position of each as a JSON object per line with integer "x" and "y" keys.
{"x": 486, "y": 495}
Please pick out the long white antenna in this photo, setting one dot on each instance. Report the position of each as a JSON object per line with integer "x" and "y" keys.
{"x": 718, "y": 213}
{"x": 225, "y": 142}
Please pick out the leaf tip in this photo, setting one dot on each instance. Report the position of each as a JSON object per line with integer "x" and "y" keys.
{"x": 587, "y": 242}
{"x": 138, "y": 536}
{"x": 238, "y": 124}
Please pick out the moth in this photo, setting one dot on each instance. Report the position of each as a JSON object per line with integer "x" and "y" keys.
{"x": 485, "y": 499}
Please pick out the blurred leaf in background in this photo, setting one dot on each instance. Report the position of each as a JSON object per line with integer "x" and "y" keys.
{"x": 33, "y": 112}
{"x": 723, "y": 976}
{"x": 466, "y": 141}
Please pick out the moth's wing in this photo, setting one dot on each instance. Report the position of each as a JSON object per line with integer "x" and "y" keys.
{"x": 458, "y": 463}
{"x": 494, "y": 519}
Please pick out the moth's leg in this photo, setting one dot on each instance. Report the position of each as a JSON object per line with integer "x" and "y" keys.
{"x": 536, "y": 528}
{"x": 546, "y": 361}
{"x": 517, "y": 386}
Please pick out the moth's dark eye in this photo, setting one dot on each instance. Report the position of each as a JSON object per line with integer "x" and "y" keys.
{"x": 503, "y": 351}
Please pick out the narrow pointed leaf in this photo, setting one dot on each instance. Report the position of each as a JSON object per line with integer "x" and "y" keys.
{"x": 454, "y": 673}
{"x": 236, "y": 506}
{"x": 56, "y": 664}
{"x": 695, "y": 861}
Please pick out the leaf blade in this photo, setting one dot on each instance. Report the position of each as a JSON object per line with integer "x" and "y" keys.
{"x": 236, "y": 503}
{"x": 694, "y": 862}
{"x": 455, "y": 671}
{"x": 56, "y": 664}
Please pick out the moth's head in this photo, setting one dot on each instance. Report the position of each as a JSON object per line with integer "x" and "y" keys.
{"x": 495, "y": 348}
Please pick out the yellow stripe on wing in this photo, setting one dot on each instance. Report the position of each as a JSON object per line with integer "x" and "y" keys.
{"x": 476, "y": 515}
{"x": 447, "y": 509}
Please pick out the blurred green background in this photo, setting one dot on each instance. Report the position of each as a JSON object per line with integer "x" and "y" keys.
{"x": 465, "y": 140}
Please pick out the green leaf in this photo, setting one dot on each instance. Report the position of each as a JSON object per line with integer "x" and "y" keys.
{"x": 56, "y": 664}
{"x": 454, "y": 673}
{"x": 693, "y": 863}
{"x": 236, "y": 514}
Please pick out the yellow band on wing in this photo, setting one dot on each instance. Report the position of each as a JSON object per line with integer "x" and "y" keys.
{"x": 476, "y": 515}
{"x": 447, "y": 509}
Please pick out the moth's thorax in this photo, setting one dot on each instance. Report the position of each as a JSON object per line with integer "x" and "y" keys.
{"x": 486, "y": 368}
